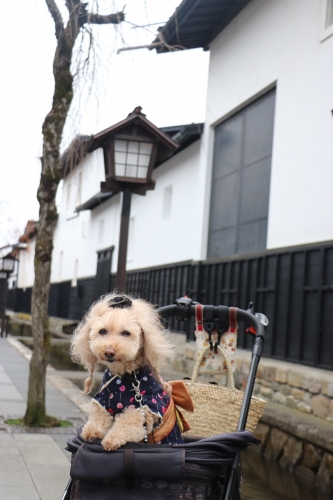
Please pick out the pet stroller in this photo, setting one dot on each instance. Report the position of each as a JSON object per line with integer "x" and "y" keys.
{"x": 199, "y": 469}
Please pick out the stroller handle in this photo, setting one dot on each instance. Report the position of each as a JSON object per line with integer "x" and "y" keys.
{"x": 184, "y": 309}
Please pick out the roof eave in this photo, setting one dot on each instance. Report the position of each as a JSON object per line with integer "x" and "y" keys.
{"x": 182, "y": 32}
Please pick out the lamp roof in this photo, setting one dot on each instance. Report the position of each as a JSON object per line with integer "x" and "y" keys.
{"x": 137, "y": 118}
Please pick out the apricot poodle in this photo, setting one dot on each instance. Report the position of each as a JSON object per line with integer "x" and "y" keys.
{"x": 133, "y": 403}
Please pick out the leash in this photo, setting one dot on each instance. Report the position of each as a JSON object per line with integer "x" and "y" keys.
{"x": 139, "y": 398}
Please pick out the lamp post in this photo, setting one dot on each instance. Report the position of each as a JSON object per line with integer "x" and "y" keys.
{"x": 7, "y": 265}
{"x": 131, "y": 149}
{"x": 123, "y": 239}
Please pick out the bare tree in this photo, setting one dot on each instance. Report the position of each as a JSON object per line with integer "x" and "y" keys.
{"x": 66, "y": 34}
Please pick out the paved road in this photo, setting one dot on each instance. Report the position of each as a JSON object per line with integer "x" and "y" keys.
{"x": 33, "y": 466}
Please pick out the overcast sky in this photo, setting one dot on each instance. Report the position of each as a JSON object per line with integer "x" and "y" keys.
{"x": 171, "y": 88}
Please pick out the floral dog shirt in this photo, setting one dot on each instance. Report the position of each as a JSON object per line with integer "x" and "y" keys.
{"x": 117, "y": 393}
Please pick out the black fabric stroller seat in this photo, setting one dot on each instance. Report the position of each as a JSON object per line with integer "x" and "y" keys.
{"x": 195, "y": 470}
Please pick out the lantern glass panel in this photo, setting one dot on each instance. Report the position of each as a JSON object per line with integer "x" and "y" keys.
{"x": 142, "y": 172}
{"x": 120, "y": 170}
{"x": 132, "y": 158}
{"x": 120, "y": 145}
{"x": 146, "y": 148}
{"x": 131, "y": 171}
{"x": 144, "y": 160}
{"x": 7, "y": 265}
{"x": 120, "y": 157}
{"x": 133, "y": 147}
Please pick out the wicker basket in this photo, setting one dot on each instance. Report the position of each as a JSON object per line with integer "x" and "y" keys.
{"x": 216, "y": 408}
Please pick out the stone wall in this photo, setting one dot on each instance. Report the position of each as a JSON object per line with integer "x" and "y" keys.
{"x": 20, "y": 325}
{"x": 297, "y": 454}
{"x": 310, "y": 390}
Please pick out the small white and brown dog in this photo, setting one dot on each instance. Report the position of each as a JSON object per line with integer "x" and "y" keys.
{"x": 126, "y": 335}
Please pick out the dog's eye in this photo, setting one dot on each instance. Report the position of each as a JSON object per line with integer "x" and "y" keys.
{"x": 125, "y": 334}
{"x": 102, "y": 332}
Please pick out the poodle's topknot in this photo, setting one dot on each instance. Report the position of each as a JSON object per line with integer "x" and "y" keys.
{"x": 120, "y": 301}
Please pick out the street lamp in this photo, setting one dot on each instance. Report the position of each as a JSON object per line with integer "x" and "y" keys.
{"x": 7, "y": 265}
{"x": 131, "y": 149}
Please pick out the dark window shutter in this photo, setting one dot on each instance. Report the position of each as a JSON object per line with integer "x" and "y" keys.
{"x": 241, "y": 180}
{"x": 103, "y": 273}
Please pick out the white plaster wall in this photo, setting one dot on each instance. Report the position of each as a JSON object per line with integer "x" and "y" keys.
{"x": 72, "y": 234}
{"x": 26, "y": 273}
{"x": 91, "y": 171}
{"x": 12, "y": 278}
{"x": 109, "y": 214}
{"x": 279, "y": 41}
{"x": 69, "y": 245}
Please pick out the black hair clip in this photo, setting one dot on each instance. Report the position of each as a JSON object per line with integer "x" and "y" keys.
{"x": 121, "y": 302}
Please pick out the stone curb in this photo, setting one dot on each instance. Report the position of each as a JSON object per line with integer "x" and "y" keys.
{"x": 16, "y": 429}
{"x": 299, "y": 427}
{"x": 71, "y": 391}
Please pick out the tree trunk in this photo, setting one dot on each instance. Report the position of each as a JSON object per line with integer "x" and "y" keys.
{"x": 51, "y": 175}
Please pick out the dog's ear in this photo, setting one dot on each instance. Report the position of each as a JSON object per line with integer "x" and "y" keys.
{"x": 81, "y": 352}
{"x": 156, "y": 348}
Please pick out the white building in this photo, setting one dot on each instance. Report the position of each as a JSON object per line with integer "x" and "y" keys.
{"x": 251, "y": 198}
{"x": 269, "y": 118}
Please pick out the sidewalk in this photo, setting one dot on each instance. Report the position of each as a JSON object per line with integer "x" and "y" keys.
{"x": 34, "y": 466}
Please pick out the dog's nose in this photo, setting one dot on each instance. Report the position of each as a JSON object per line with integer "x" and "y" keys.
{"x": 109, "y": 354}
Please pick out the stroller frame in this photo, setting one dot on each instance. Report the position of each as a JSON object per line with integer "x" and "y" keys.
{"x": 184, "y": 309}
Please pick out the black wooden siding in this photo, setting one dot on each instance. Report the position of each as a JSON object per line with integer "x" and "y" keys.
{"x": 293, "y": 287}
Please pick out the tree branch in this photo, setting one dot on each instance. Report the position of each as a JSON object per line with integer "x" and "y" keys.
{"x": 57, "y": 18}
{"x": 109, "y": 19}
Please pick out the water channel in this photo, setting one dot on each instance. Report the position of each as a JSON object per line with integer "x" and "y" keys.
{"x": 262, "y": 479}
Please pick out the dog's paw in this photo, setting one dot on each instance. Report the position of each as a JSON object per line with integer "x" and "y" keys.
{"x": 157, "y": 421}
{"x": 111, "y": 443}
{"x": 91, "y": 431}
{"x": 153, "y": 420}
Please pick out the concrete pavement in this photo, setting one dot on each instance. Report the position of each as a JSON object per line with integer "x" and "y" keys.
{"x": 34, "y": 466}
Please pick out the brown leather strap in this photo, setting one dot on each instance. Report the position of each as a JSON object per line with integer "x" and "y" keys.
{"x": 150, "y": 438}
{"x": 169, "y": 420}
